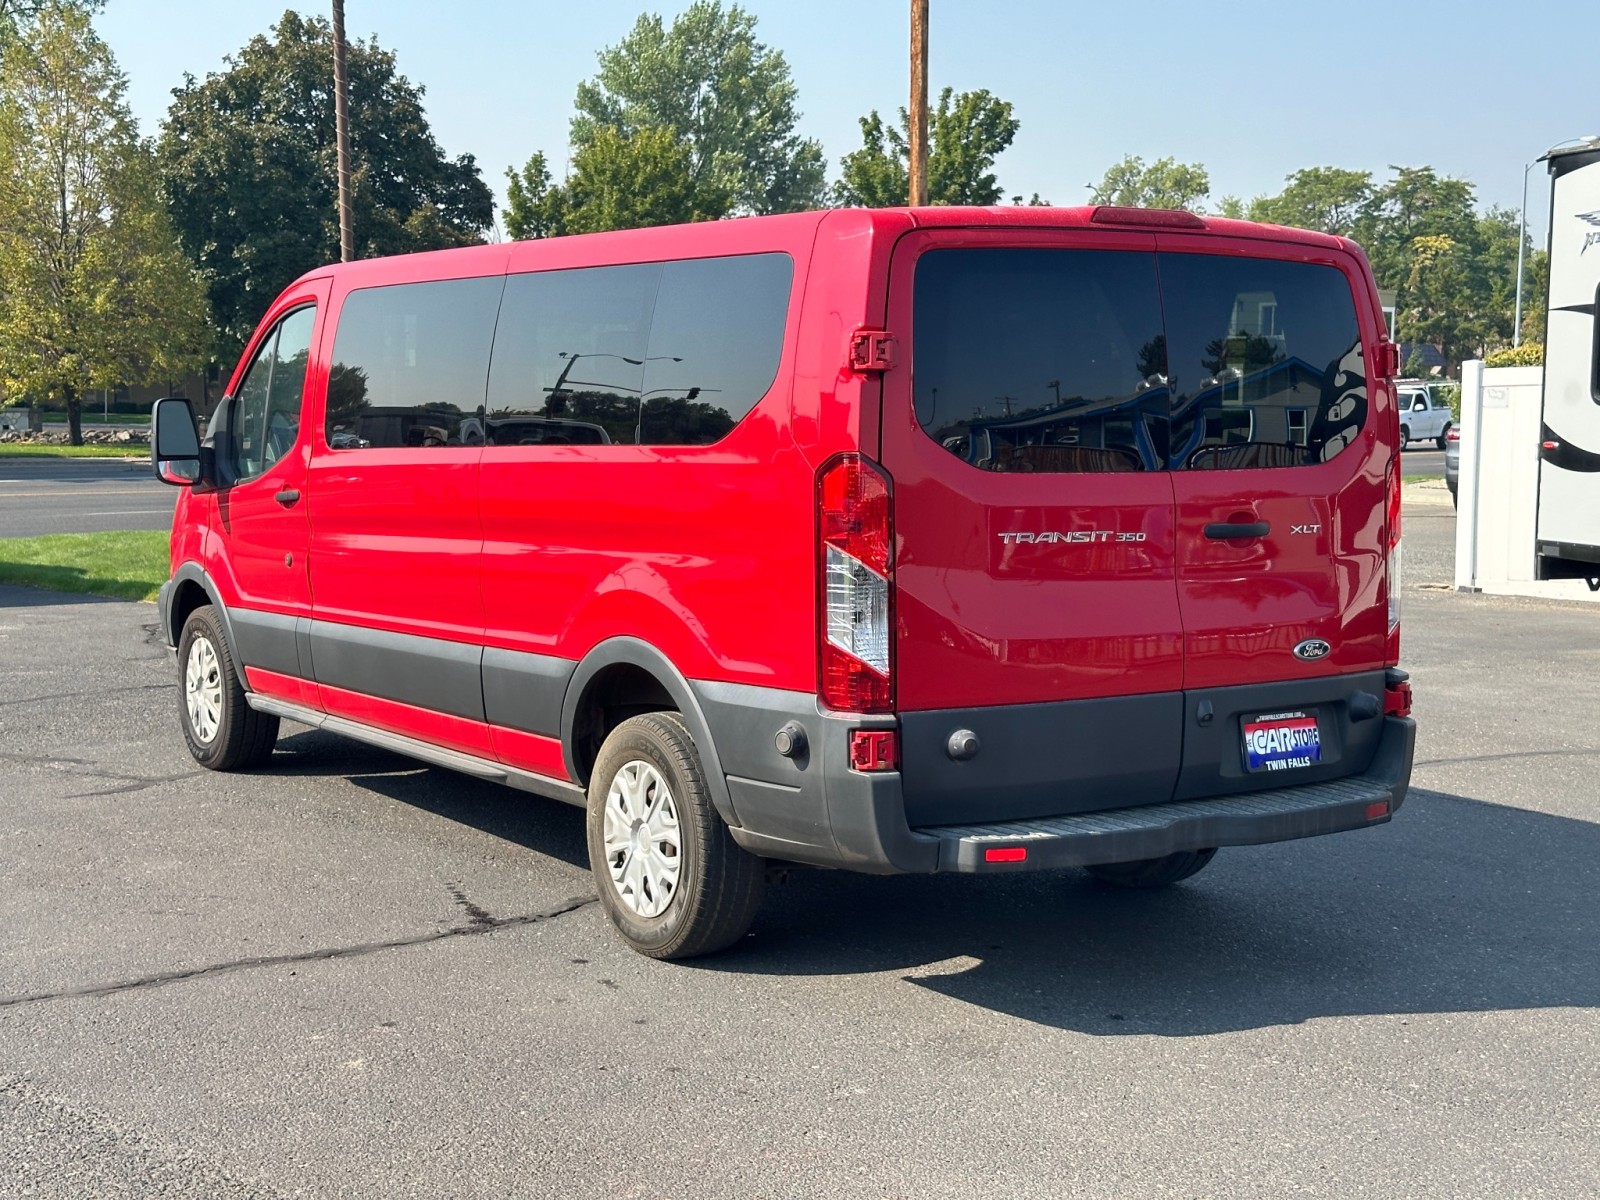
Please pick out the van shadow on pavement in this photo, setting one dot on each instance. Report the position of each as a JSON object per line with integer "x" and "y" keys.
{"x": 546, "y": 826}
{"x": 1455, "y": 906}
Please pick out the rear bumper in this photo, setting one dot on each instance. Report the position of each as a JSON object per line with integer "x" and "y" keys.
{"x": 1125, "y": 835}
{"x": 814, "y": 809}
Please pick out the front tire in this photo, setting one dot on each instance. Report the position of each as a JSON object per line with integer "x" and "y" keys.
{"x": 1153, "y": 872}
{"x": 1405, "y": 436}
{"x": 223, "y": 732}
{"x": 671, "y": 878}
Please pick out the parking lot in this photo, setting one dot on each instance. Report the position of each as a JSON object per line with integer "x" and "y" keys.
{"x": 352, "y": 975}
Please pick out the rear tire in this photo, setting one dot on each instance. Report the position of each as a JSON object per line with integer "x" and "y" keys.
{"x": 1443, "y": 435}
{"x": 670, "y": 876}
{"x": 223, "y": 732}
{"x": 1153, "y": 872}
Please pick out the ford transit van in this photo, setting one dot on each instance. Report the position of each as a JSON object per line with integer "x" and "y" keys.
{"x": 917, "y": 540}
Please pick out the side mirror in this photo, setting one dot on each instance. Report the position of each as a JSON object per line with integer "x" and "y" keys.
{"x": 175, "y": 442}
{"x": 1419, "y": 405}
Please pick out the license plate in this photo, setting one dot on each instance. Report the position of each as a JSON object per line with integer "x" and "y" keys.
{"x": 1282, "y": 741}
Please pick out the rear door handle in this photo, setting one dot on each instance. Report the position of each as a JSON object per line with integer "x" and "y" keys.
{"x": 1225, "y": 529}
{"x": 287, "y": 497}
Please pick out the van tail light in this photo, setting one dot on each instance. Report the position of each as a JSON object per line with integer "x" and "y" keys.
{"x": 854, "y": 530}
{"x": 1395, "y": 559}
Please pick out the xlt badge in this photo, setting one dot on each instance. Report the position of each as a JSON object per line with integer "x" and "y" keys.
{"x": 1071, "y": 535}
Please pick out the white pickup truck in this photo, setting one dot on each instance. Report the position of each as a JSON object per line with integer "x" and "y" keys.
{"x": 1424, "y": 414}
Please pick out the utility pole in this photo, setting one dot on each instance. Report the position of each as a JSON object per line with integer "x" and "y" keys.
{"x": 919, "y": 102}
{"x": 341, "y": 123}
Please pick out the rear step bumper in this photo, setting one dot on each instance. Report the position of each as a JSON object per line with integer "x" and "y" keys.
{"x": 1151, "y": 831}
{"x": 1156, "y": 830}
{"x": 826, "y": 814}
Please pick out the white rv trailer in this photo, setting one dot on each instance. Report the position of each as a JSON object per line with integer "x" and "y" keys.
{"x": 1568, "y": 527}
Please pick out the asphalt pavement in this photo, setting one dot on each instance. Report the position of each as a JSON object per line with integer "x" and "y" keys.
{"x": 351, "y": 975}
{"x": 81, "y": 495}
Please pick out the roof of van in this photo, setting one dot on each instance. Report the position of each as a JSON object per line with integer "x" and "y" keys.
{"x": 493, "y": 257}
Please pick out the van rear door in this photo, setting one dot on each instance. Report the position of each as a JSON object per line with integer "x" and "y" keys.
{"x": 1279, "y": 470}
{"x": 1036, "y": 602}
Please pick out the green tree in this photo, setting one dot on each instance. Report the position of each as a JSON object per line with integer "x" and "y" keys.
{"x": 726, "y": 98}
{"x": 97, "y": 291}
{"x": 628, "y": 181}
{"x": 15, "y": 15}
{"x": 966, "y": 133}
{"x": 1416, "y": 203}
{"x": 1165, "y": 183}
{"x": 248, "y": 159}
{"x": 534, "y": 209}
{"x": 1327, "y": 199}
{"x": 1535, "y": 296}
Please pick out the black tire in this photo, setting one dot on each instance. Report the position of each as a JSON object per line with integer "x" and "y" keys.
{"x": 1153, "y": 872}
{"x": 241, "y": 736}
{"x": 1443, "y": 434}
{"x": 718, "y": 887}
{"x": 1405, "y": 436}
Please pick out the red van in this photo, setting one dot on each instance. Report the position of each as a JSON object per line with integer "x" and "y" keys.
{"x": 921, "y": 540}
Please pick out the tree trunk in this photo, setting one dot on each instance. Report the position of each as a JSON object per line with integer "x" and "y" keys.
{"x": 74, "y": 418}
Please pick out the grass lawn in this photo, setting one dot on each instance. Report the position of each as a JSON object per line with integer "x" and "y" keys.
{"x": 125, "y": 566}
{"x": 37, "y": 450}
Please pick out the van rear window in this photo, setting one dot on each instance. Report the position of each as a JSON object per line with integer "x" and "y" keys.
{"x": 1042, "y": 360}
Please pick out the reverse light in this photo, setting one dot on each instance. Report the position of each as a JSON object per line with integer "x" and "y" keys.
{"x": 855, "y": 572}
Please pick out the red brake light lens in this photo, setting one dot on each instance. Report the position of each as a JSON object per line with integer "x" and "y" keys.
{"x": 854, "y": 568}
{"x": 874, "y": 749}
{"x": 1006, "y": 854}
{"x": 1162, "y": 218}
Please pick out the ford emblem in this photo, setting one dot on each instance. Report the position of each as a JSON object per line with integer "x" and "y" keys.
{"x": 1312, "y": 649}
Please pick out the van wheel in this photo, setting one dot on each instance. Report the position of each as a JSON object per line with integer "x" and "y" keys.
{"x": 1443, "y": 435}
{"x": 1153, "y": 872}
{"x": 224, "y": 733}
{"x": 670, "y": 876}
{"x": 1405, "y": 436}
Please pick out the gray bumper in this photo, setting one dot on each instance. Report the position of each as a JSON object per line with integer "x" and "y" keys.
{"x": 814, "y": 809}
{"x": 1253, "y": 819}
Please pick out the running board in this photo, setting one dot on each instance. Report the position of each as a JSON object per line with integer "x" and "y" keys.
{"x": 455, "y": 760}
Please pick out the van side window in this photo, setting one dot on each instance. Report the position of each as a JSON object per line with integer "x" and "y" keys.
{"x": 265, "y": 420}
{"x": 1042, "y": 360}
{"x": 659, "y": 354}
{"x": 714, "y": 348}
{"x": 569, "y": 356}
{"x": 409, "y": 365}
{"x": 1255, "y": 344}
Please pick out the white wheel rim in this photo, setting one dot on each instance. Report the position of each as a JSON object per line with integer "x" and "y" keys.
{"x": 644, "y": 849}
{"x": 202, "y": 689}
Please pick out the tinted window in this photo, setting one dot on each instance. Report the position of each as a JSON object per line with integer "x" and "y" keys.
{"x": 1042, "y": 360}
{"x": 715, "y": 343}
{"x": 659, "y": 354}
{"x": 265, "y": 420}
{"x": 569, "y": 356}
{"x": 1266, "y": 361}
{"x": 410, "y": 363}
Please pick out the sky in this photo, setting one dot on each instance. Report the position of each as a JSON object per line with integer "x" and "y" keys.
{"x": 1253, "y": 90}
